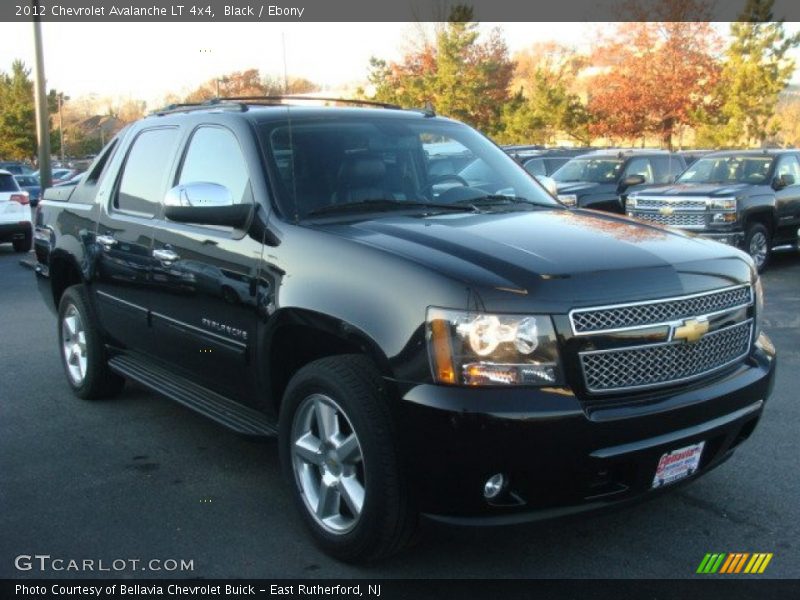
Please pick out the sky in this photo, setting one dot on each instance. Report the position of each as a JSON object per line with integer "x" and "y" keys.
{"x": 147, "y": 61}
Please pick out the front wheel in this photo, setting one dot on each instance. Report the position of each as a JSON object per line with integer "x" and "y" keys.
{"x": 339, "y": 451}
{"x": 82, "y": 351}
{"x": 757, "y": 243}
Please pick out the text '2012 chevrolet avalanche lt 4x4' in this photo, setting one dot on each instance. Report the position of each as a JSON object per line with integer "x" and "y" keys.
{"x": 419, "y": 346}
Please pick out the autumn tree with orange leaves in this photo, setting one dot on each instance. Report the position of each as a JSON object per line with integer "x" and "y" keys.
{"x": 654, "y": 80}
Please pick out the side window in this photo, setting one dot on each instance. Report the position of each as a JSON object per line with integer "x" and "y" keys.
{"x": 788, "y": 165}
{"x": 640, "y": 166}
{"x": 100, "y": 164}
{"x": 214, "y": 156}
{"x": 535, "y": 166}
{"x": 666, "y": 168}
{"x": 145, "y": 171}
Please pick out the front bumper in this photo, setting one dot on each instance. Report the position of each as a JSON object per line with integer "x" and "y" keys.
{"x": 561, "y": 457}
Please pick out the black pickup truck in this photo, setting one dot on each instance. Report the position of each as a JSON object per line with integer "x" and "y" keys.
{"x": 602, "y": 179}
{"x": 418, "y": 345}
{"x": 749, "y": 199}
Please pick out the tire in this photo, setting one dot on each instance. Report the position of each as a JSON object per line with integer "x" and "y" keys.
{"x": 757, "y": 243}
{"x": 82, "y": 350}
{"x": 349, "y": 388}
{"x": 23, "y": 245}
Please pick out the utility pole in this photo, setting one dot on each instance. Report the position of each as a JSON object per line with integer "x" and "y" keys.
{"x": 61, "y": 124}
{"x": 40, "y": 92}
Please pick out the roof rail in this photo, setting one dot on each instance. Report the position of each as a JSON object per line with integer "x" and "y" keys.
{"x": 192, "y": 106}
{"x": 273, "y": 100}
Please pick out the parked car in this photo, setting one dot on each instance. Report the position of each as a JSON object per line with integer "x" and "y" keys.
{"x": 59, "y": 174}
{"x": 545, "y": 161}
{"x": 30, "y": 184}
{"x": 15, "y": 167}
{"x": 73, "y": 179}
{"x": 473, "y": 354}
{"x": 15, "y": 215}
{"x": 746, "y": 198}
{"x": 602, "y": 179}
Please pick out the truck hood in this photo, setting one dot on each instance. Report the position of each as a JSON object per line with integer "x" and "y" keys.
{"x": 562, "y": 257}
{"x": 702, "y": 189}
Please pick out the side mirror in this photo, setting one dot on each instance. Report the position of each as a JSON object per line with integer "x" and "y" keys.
{"x": 200, "y": 193}
{"x": 205, "y": 203}
{"x": 633, "y": 180}
{"x": 783, "y": 181}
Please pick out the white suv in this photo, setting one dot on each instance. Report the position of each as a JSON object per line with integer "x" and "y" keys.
{"x": 15, "y": 215}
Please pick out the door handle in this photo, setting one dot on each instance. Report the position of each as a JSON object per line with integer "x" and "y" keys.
{"x": 165, "y": 255}
{"x": 106, "y": 241}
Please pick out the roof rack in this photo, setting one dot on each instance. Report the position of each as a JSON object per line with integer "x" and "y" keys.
{"x": 278, "y": 100}
{"x": 192, "y": 106}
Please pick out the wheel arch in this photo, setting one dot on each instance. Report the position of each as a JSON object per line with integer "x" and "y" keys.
{"x": 296, "y": 337}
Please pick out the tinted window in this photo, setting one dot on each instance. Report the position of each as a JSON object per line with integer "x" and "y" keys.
{"x": 535, "y": 166}
{"x": 325, "y": 164}
{"x": 729, "y": 169}
{"x": 26, "y": 180}
{"x": 788, "y": 165}
{"x": 144, "y": 176}
{"x": 595, "y": 170}
{"x": 8, "y": 184}
{"x": 640, "y": 166}
{"x": 214, "y": 156}
{"x": 666, "y": 168}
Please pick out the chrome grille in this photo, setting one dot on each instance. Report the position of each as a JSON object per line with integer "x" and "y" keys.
{"x": 626, "y": 316}
{"x": 680, "y": 220}
{"x": 659, "y": 364}
{"x": 678, "y": 203}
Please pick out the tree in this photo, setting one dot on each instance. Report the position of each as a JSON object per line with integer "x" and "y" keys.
{"x": 787, "y": 117}
{"x": 250, "y": 83}
{"x": 544, "y": 104}
{"x": 654, "y": 77}
{"x": 459, "y": 75}
{"x": 756, "y": 69}
{"x": 17, "y": 114}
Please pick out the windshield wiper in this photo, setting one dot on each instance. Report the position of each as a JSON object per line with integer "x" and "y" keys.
{"x": 498, "y": 200}
{"x": 383, "y": 204}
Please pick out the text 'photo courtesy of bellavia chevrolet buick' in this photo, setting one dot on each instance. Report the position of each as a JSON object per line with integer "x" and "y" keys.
{"x": 420, "y": 346}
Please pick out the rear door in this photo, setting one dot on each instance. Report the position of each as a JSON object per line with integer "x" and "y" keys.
{"x": 203, "y": 296}
{"x": 124, "y": 237}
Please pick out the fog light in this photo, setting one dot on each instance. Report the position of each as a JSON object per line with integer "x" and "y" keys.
{"x": 494, "y": 486}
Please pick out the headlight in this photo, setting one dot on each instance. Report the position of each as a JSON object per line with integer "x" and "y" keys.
{"x": 568, "y": 199}
{"x": 758, "y": 289}
{"x": 722, "y": 203}
{"x": 468, "y": 348}
{"x": 630, "y": 202}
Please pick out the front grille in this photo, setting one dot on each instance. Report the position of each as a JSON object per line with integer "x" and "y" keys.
{"x": 671, "y": 362}
{"x": 680, "y": 220}
{"x": 625, "y": 316}
{"x": 677, "y": 204}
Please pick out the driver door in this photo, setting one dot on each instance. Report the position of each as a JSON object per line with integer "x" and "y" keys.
{"x": 787, "y": 200}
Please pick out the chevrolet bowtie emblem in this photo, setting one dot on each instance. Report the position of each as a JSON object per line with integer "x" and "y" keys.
{"x": 691, "y": 330}
{"x": 666, "y": 210}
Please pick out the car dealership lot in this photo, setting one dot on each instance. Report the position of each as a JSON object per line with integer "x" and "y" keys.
{"x": 142, "y": 478}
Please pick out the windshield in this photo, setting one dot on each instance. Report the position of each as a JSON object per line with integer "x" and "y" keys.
{"x": 595, "y": 170}
{"x": 325, "y": 164}
{"x": 26, "y": 180}
{"x": 729, "y": 169}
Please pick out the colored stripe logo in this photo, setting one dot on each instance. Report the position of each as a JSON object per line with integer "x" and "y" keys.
{"x": 734, "y": 562}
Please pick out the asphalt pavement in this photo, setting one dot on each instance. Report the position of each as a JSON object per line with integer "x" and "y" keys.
{"x": 140, "y": 478}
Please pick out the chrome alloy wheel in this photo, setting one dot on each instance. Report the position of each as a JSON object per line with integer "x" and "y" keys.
{"x": 328, "y": 464}
{"x": 73, "y": 345}
{"x": 758, "y": 248}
